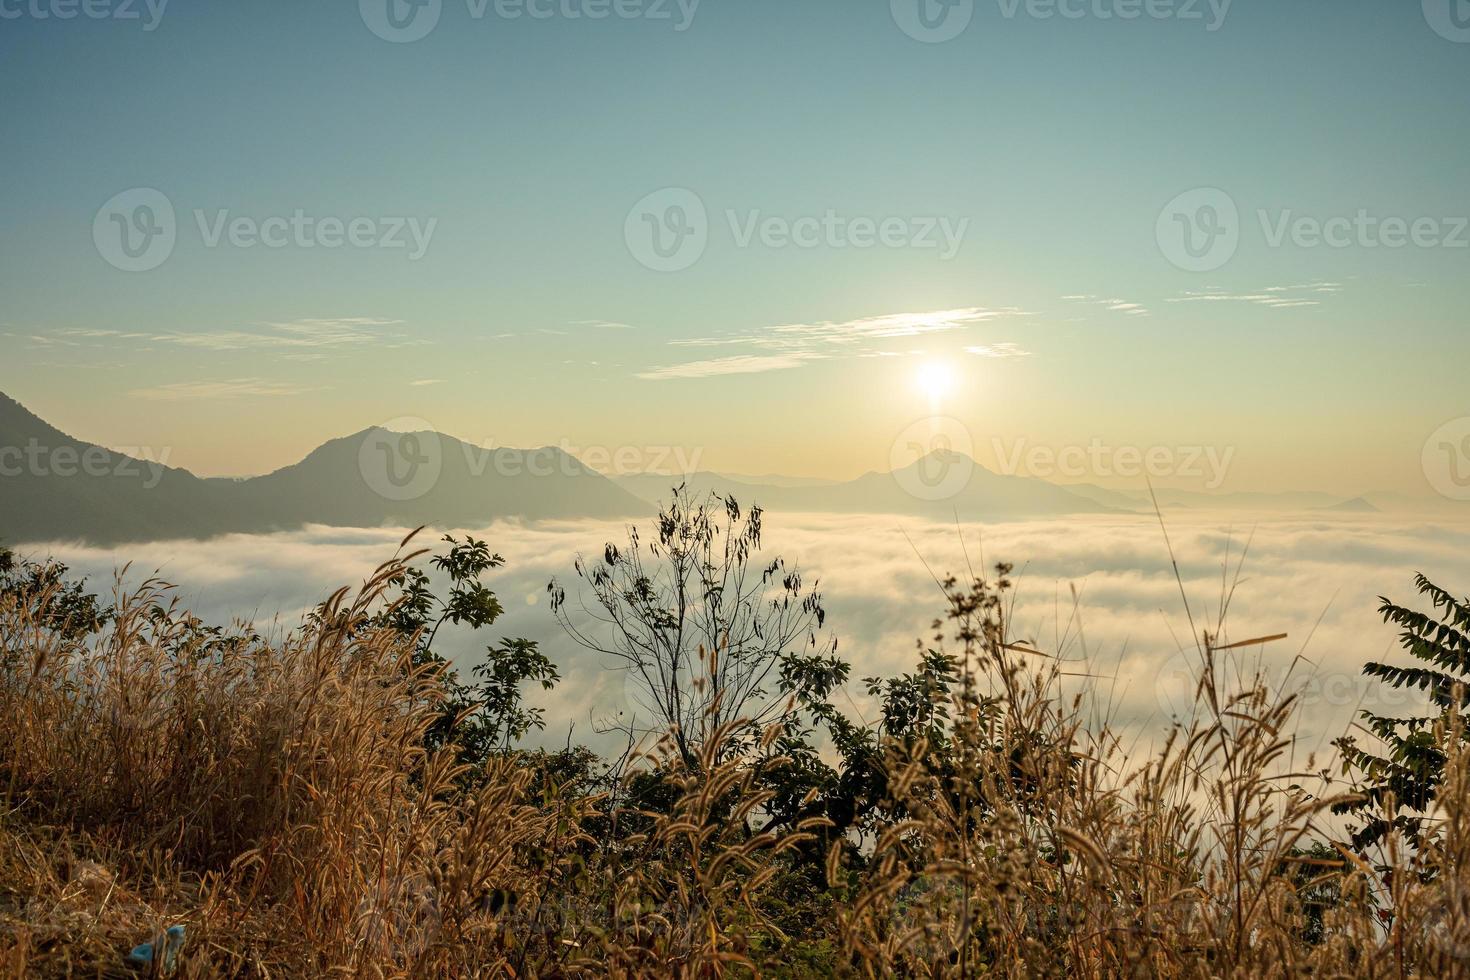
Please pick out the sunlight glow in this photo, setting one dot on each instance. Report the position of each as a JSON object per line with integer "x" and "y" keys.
{"x": 936, "y": 380}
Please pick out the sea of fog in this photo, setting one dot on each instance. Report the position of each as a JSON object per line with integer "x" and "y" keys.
{"x": 1314, "y": 578}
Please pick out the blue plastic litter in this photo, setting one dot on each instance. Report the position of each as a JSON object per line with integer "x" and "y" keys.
{"x": 172, "y": 941}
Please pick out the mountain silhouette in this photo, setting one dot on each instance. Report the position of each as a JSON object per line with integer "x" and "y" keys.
{"x": 56, "y": 487}
{"x": 1357, "y": 505}
{"x": 941, "y": 485}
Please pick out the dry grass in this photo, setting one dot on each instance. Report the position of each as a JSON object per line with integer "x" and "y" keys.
{"x": 276, "y": 799}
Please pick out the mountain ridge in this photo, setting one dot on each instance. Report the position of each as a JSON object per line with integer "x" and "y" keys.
{"x": 58, "y": 487}
{"x": 67, "y": 489}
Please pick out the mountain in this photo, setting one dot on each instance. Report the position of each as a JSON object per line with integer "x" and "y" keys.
{"x": 940, "y": 485}
{"x": 377, "y": 477}
{"x": 777, "y": 480}
{"x": 54, "y": 486}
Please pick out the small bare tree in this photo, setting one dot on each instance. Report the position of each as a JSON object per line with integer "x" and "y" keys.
{"x": 709, "y": 635}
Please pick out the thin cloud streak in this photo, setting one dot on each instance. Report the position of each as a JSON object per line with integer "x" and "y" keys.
{"x": 1271, "y": 297}
{"x": 219, "y": 390}
{"x": 792, "y": 344}
{"x": 998, "y": 351}
{"x": 301, "y": 338}
{"x": 739, "y": 364}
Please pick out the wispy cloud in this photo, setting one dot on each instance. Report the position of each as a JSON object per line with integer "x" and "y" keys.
{"x": 218, "y": 390}
{"x": 847, "y": 333}
{"x": 296, "y": 337}
{"x": 788, "y": 345}
{"x": 1111, "y": 304}
{"x": 1272, "y": 297}
{"x": 739, "y": 364}
{"x": 603, "y": 324}
{"x": 424, "y": 382}
{"x": 1003, "y": 350}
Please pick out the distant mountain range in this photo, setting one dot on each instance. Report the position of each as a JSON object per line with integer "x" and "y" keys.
{"x": 56, "y": 487}
{"x": 991, "y": 495}
{"x": 940, "y": 485}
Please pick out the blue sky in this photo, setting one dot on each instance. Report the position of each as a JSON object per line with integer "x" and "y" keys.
{"x": 523, "y": 143}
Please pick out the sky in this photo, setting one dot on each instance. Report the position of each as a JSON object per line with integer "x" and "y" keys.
{"x": 774, "y": 235}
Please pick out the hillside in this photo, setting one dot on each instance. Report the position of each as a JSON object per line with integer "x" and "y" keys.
{"x": 55, "y": 486}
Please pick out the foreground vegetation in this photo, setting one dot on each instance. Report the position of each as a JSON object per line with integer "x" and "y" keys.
{"x": 339, "y": 802}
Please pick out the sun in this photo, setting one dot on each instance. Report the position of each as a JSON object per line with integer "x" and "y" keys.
{"x": 936, "y": 380}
